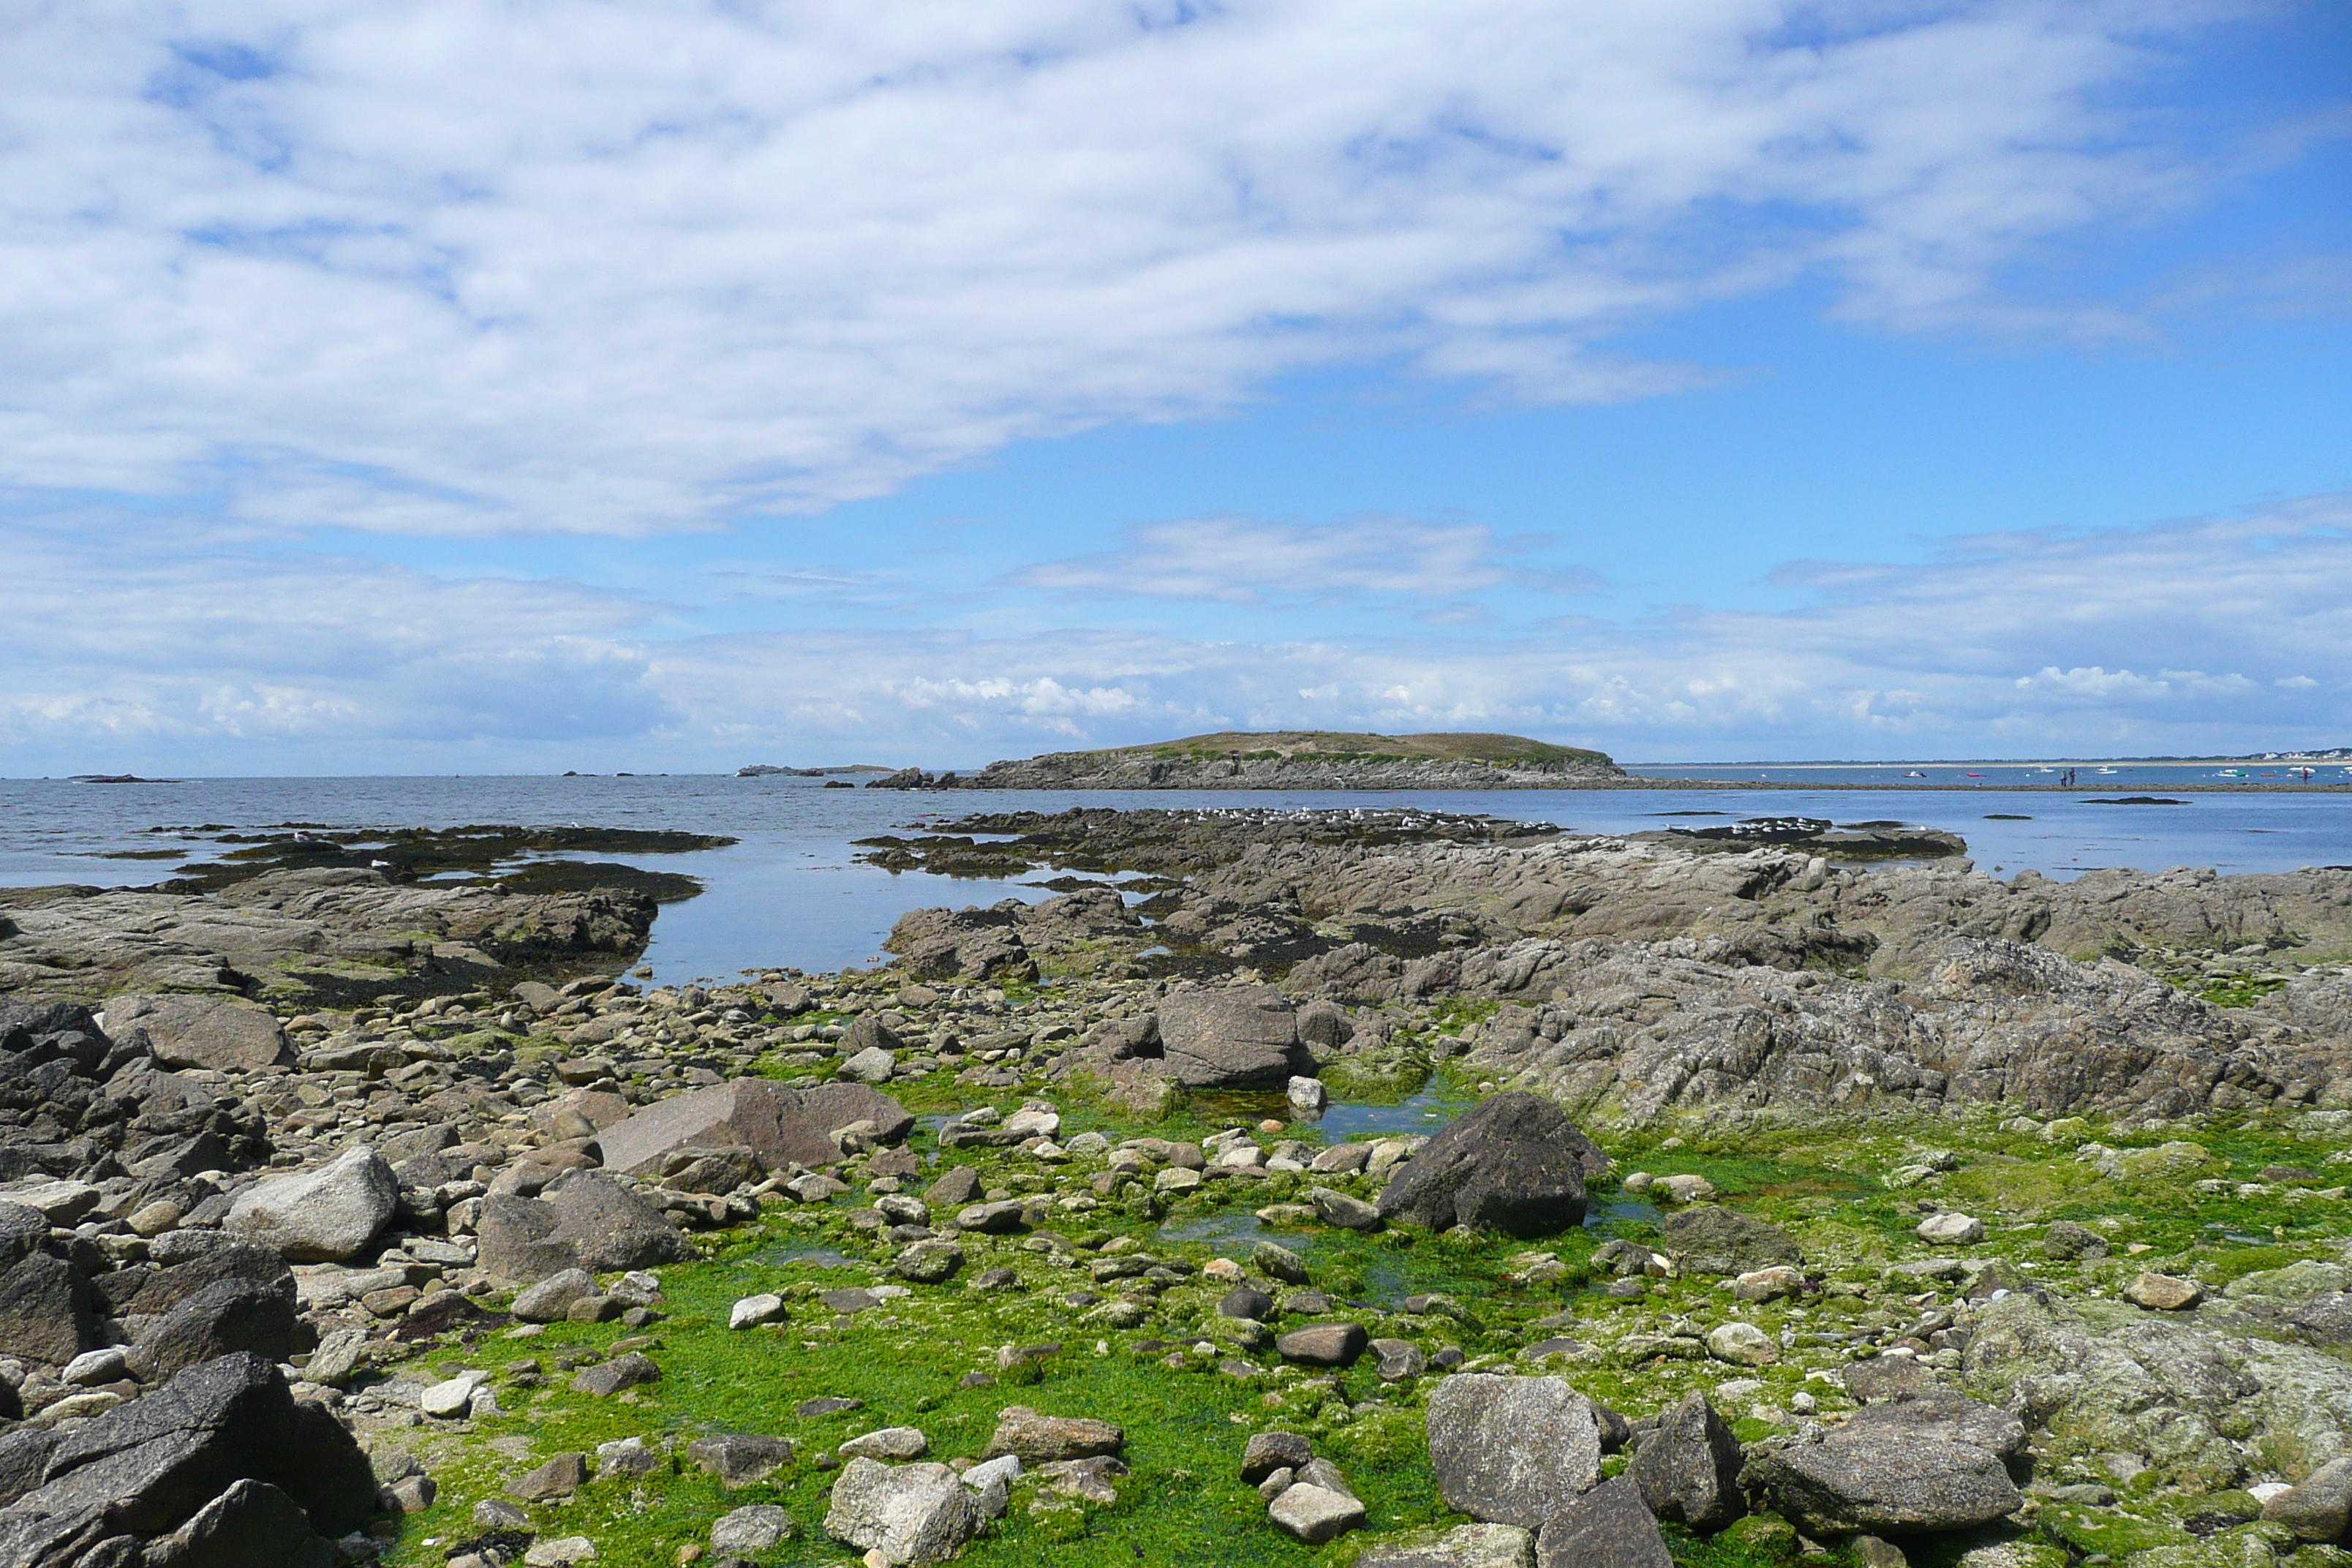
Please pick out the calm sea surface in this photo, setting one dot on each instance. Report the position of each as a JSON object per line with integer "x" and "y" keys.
{"x": 787, "y": 894}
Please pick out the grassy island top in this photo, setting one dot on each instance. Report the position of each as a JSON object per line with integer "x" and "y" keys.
{"x": 1345, "y": 746}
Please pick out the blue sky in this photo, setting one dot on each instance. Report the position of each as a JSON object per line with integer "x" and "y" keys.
{"x": 460, "y": 388}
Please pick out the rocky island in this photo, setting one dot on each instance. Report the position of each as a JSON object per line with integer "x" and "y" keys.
{"x": 1292, "y": 759}
{"x": 1360, "y": 1187}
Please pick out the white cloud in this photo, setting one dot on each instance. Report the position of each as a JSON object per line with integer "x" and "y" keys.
{"x": 623, "y": 267}
{"x": 2181, "y": 636}
{"x": 1244, "y": 560}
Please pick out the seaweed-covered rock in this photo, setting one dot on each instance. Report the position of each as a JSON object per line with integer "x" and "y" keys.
{"x": 1715, "y": 1240}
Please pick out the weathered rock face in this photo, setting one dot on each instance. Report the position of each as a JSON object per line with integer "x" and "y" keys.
{"x": 1464, "y": 1546}
{"x": 910, "y": 1513}
{"x": 223, "y": 1318}
{"x": 1512, "y": 1163}
{"x": 75, "y": 1102}
{"x": 323, "y": 1216}
{"x": 780, "y": 1126}
{"x": 200, "y": 1031}
{"x": 2205, "y": 1402}
{"x": 1932, "y": 1464}
{"x": 1237, "y": 1036}
{"x": 1631, "y": 1031}
{"x": 303, "y": 931}
{"x": 588, "y": 1221}
{"x": 45, "y": 1311}
{"x": 973, "y": 943}
{"x": 1512, "y": 1450}
{"x": 148, "y": 1468}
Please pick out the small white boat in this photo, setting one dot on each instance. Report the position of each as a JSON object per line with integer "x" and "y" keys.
{"x": 1915, "y": 774}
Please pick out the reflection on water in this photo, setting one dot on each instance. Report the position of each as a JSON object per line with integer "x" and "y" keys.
{"x": 1423, "y": 1112}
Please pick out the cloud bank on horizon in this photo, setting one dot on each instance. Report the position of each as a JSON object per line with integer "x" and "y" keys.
{"x": 382, "y": 377}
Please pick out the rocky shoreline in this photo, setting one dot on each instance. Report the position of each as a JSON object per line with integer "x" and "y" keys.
{"x": 1776, "y": 1210}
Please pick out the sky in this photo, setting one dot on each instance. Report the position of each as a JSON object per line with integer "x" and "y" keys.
{"x": 469, "y": 386}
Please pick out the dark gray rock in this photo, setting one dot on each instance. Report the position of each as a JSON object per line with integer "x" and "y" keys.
{"x": 1715, "y": 1240}
{"x": 1688, "y": 1467}
{"x": 610, "y": 1227}
{"x": 23, "y": 1454}
{"x": 1510, "y": 1163}
{"x": 1609, "y": 1527}
{"x": 559, "y": 1477}
{"x": 1512, "y": 1450}
{"x": 1324, "y": 1344}
{"x": 1268, "y": 1452}
{"x": 739, "y": 1458}
{"x": 147, "y": 1467}
{"x": 228, "y": 1316}
{"x": 516, "y": 1242}
{"x": 611, "y": 1377}
{"x": 22, "y": 1232}
{"x": 251, "y": 1525}
{"x": 1232, "y": 1038}
{"x": 46, "y": 1311}
{"x": 151, "y": 1292}
{"x": 1246, "y": 1301}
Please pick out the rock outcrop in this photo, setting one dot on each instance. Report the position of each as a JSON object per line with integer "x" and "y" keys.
{"x": 1512, "y": 1163}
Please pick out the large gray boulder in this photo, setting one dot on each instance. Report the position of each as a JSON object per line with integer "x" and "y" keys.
{"x": 1512, "y": 1163}
{"x": 1688, "y": 1467}
{"x": 319, "y": 1216}
{"x": 587, "y": 1221}
{"x": 200, "y": 1031}
{"x": 781, "y": 1126}
{"x": 1512, "y": 1450}
{"x": 1610, "y": 1527}
{"x": 1933, "y": 1462}
{"x": 1235, "y": 1036}
{"x": 910, "y": 1513}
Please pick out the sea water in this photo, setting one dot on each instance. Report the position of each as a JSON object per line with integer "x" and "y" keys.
{"x": 789, "y": 892}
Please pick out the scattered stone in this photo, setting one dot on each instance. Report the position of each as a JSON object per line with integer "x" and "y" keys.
{"x": 887, "y": 1443}
{"x": 753, "y": 1311}
{"x": 2163, "y": 1293}
{"x": 550, "y": 1299}
{"x": 1037, "y": 1439}
{"x": 1720, "y": 1241}
{"x": 1742, "y": 1344}
{"x": 1951, "y": 1228}
{"x": 738, "y": 1459}
{"x": 559, "y": 1477}
{"x": 1323, "y": 1344}
{"x": 1268, "y": 1452}
{"x": 752, "y": 1530}
{"x": 610, "y": 1377}
{"x": 1316, "y": 1514}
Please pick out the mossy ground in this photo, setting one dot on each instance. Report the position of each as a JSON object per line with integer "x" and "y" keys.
{"x": 1838, "y": 1188}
